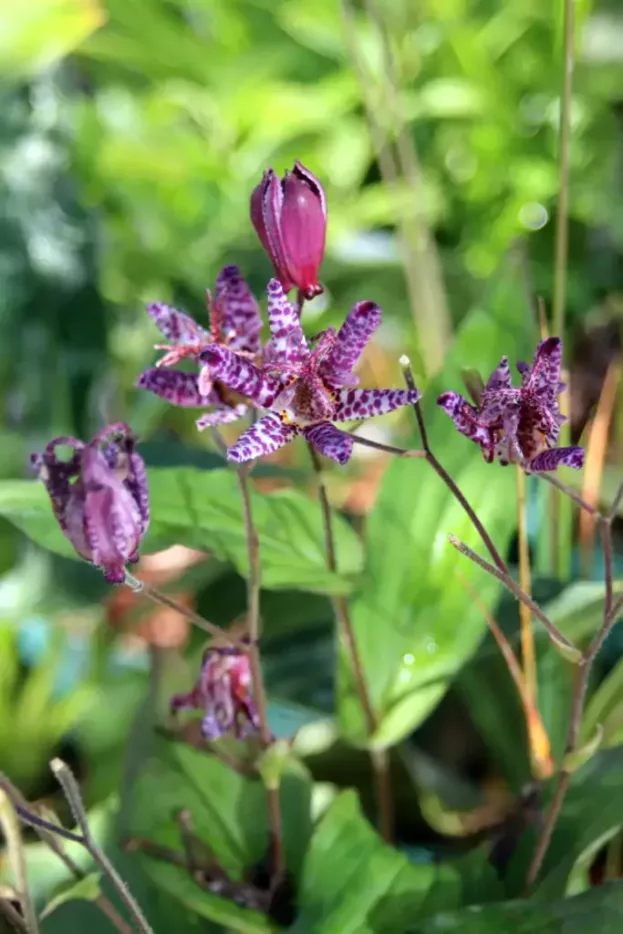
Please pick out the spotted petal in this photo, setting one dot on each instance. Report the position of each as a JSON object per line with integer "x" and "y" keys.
{"x": 241, "y": 375}
{"x": 557, "y": 457}
{"x": 465, "y": 418}
{"x": 544, "y": 373}
{"x": 500, "y": 378}
{"x": 359, "y": 326}
{"x": 221, "y": 416}
{"x": 266, "y": 436}
{"x": 330, "y": 441}
{"x": 177, "y": 327}
{"x": 287, "y": 345}
{"x": 240, "y": 315}
{"x": 366, "y": 403}
{"x": 176, "y": 387}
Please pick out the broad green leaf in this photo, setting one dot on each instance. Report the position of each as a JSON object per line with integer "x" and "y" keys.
{"x": 229, "y": 814}
{"x": 34, "y": 35}
{"x": 599, "y": 911}
{"x": 415, "y": 623}
{"x": 592, "y": 813}
{"x": 87, "y": 889}
{"x": 578, "y": 610}
{"x": 605, "y": 707}
{"x": 353, "y": 882}
{"x": 202, "y": 509}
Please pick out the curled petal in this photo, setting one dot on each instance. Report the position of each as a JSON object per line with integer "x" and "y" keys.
{"x": 330, "y": 441}
{"x": 287, "y": 345}
{"x": 270, "y": 202}
{"x": 240, "y": 315}
{"x": 465, "y": 418}
{"x": 241, "y": 375}
{"x": 545, "y": 370}
{"x": 557, "y": 457}
{"x": 266, "y": 436}
{"x": 359, "y": 326}
{"x": 222, "y": 416}
{"x": 176, "y": 387}
{"x": 177, "y": 327}
{"x": 366, "y": 403}
{"x": 500, "y": 378}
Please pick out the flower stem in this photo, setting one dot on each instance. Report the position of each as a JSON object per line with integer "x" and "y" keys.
{"x": 70, "y": 788}
{"x": 253, "y": 627}
{"x": 379, "y": 757}
{"x": 156, "y": 596}
{"x": 17, "y": 861}
{"x": 562, "y": 224}
{"x": 387, "y": 448}
{"x": 445, "y": 476}
{"x": 610, "y": 614}
{"x": 555, "y": 634}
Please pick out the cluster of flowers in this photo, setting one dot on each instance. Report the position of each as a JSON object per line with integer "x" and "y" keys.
{"x": 301, "y": 387}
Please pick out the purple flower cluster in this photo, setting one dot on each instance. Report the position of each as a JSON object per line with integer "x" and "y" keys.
{"x": 299, "y": 386}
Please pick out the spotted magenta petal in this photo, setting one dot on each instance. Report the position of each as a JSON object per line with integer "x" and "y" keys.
{"x": 177, "y": 387}
{"x": 99, "y": 496}
{"x": 519, "y": 424}
{"x": 238, "y": 310}
{"x": 265, "y": 437}
{"x": 366, "y": 403}
{"x": 287, "y": 347}
{"x": 290, "y": 218}
{"x": 359, "y": 326}
{"x": 224, "y": 693}
{"x": 330, "y": 441}
{"x": 241, "y": 375}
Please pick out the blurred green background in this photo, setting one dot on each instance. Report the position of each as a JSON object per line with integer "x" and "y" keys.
{"x": 131, "y": 134}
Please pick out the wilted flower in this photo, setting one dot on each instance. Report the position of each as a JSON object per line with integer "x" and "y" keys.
{"x": 518, "y": 425}
{"x": 234, "y": 322}
{"x": 224, "y": 692}
{"x": 306, "y": 390}
{"x": 99, "y": 496}
{"x": 290, "y": 218}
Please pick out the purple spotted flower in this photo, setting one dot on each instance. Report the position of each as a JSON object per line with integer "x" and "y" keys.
{"x": 99, "y": 496}
{"x": 305, "y": 389}
{"x": 290, "y": 218}
{"x": 234, "y": 322}
{"x": 518, "y": 425}
{"x": 224, "y": 692}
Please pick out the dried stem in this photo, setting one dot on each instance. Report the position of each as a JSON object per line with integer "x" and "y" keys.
{"x": 50, "y": 834}
{"x": 539, "y": 740}
{"x": 17, "y": 860}
{"x": 253, "y": 628}
{"x": 556, "y": 635}
{"x": 68, "y": 783}
{"x": 610, "y": 613}
{"x": 527, "y": 637}
{"x": 156, "y": 596}
{"x": 380, "y": 762}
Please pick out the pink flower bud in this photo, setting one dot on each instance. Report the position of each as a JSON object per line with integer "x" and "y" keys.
{"x": 290, "y": 218}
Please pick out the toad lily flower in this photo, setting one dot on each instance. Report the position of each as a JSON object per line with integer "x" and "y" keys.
{"x": 223, "y": 692}
{"x": 99, "y": 496}
{"x": 518, "y": 425}
{"x": 290, "y": 218}
{"x": 305, "y": 389}
{"x": 234, "y": 322}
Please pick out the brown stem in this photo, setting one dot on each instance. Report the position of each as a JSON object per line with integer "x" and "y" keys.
{"x": 445, "y": 476}
{"x": 253, "y": 626}
{"x": 577, "y": 707}
{"x": 556, "y": 635}
{"x": 562, "y": 224}
{"x": 156, "y": 596}
{"x": 525, "y": 618}
{"x": 387, "y": 448}
{"x": 50, "y": 834}
{"x": 379, "y": 758}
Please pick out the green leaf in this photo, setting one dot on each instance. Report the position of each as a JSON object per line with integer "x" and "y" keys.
{"x": 599, "y": 911}
{"x": 353, "y": 882}
{"x": 33, "y": 36}
{"x": 202, "y": 509}
{"x": 229, "y": 815}
{"x": 592, "y": 813}
{"x": 605, "y": 707}
{"x": 87, "y": 889}
{"x": 414, "y": 621}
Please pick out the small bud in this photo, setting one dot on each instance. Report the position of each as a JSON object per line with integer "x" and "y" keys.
{"x": 290, "y": 218}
